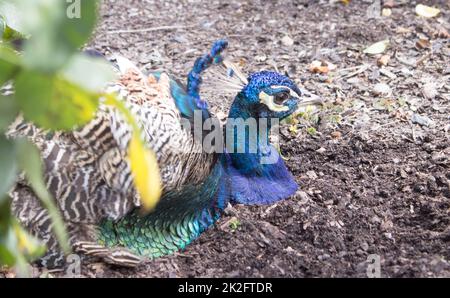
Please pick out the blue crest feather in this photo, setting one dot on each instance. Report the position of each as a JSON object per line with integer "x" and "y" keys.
{"x": 188, "y": 99}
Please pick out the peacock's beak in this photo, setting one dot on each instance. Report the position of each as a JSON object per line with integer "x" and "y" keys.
{"x": 309, "y": 99}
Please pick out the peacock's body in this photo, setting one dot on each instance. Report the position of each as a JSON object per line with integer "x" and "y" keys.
{"x": 88, "y": 173}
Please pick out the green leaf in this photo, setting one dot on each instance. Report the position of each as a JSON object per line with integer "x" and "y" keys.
{"x": 5, "y": 214}
{"x": 6, "y": 256}
{"x": 53, "y": 102}
{"x": 15, "y": 243}
{"x": 2, "y": 25}
{"x": 311, "y": 130}
{"x": 77, "y": 31}
{"x": 56, "y": 30}
{"x": 11, "y": 15}
{"x": 8, "y": 111}
{"x": 91, "y": 73}
{"x": 30, "y": 162}
{"x": 9, "y": 64}
{"x": 16, "y": 246}
{"x": 8, "y": 166}
{"x": 7, "y": 33}
{"x": 27, "y": 245}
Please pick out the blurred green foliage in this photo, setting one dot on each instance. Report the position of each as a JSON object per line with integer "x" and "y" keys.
{"x": 56, "y": 87}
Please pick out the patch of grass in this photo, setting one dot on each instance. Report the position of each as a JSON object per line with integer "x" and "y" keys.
{"x": 234, "y": 224}
{"x": 293, "y": 129}
{"x": 311, "y": 131}
{"x": 335, "y": 119}
{"x": 385, "y": 104}
{"x": 402, "y": 102}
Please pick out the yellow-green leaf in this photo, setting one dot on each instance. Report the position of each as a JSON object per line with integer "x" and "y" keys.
{"x": 8, "y": 111}
{"x": 53, "y": 102}
{"x": 143, "y": 162}
{"x": 377, "y": 48}
{"x": 91, "y": 73}
{"x": 12, "y": 15}
{"x": 144, "y": 167}
{"x": 426, "y": 11}
{"x": 9, "y": 63}
{"x": 15, "y": 243}
{"x": 27, "y": 245}
{"x": 57, "y": 30}
{"x": 7, "y": 33}
{"x": 8, "y": 166}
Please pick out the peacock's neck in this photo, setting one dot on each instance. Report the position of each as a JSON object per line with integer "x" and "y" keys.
{"x": 247, "y": 140}
{"x": 256, "y": 172}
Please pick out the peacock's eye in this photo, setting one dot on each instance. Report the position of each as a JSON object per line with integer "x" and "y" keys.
{"x": 281, "y": 97}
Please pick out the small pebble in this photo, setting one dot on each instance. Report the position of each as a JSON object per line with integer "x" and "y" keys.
{"x": 421, "y": 120}
{"x": 382, "y": 89}
{"x": 321, "y": 150}
{"x": 287, "y": 41}
{"x": 429, "y": 90}
{"x": 311, "y": 175}
{"x": 365, "y": 246}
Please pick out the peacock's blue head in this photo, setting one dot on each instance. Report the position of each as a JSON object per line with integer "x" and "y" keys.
{"x": 265, "y": 94}
{"x": 268, "y": 94}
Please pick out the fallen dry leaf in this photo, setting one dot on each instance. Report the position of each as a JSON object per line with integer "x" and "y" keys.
{"x": 386, "y": 12}
{"x": 403, "y": 30}
{"x": 423, "y": 44}
{"x": 441, "y": 32}
{"x": 383, "y": 60}
{"x": 388, "y": 4}
{"x": 426, "y": 11}
{"x": 401, "y": 114}
{"x": 321, "y": 66}
{"x": 242, "y": 62}
{"x": 377, "y": 48}
{"x": 336, "y": 134}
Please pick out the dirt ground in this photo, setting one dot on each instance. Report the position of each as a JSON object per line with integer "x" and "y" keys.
{"x": 373, "y": 164}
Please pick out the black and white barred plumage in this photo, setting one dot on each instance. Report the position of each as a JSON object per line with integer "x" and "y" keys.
{"x": 87, "y": 170}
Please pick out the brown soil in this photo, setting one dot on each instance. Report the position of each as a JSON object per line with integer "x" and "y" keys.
{"x": 372, "y": 181}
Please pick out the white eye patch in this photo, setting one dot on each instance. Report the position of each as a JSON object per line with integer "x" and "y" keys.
{"x": 291, "y": 92}
{"x": 268, "y": 100}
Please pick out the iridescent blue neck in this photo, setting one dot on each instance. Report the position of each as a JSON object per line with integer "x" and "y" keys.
{"x": 256, "y": 174}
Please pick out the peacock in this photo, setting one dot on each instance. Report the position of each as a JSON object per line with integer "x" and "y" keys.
{"x": 88, "y": 173}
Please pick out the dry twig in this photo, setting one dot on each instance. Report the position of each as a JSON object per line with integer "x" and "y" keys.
{"x": 149, "y": 29}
